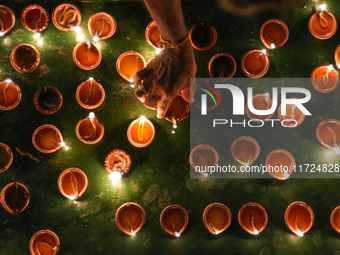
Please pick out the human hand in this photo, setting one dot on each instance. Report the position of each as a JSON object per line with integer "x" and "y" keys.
{"x": 165, "y": 76}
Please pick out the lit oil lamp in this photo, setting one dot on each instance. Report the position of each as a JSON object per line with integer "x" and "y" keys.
{"x": 7, "y": 19}
{"x": 174, "y": 220}
{"x": 86, "y": 55}
{"x": 44, "y": 242}
{"x": 177, "y": 111}
{"x": 299, "y": 218}
{"x": 117, "y": 163}
{"x": 255, "y": 63}
{"x": 90, "y": 94}
{"x": 153, "y": 35}
{"x": 222, "y": 65}
{"x": 10, "y": 95}
{"x": 253, "y": 218}
{"x": 130, "y": 218}
{"x": 260, "y": 102}
{"x": 6, "y": 157}
{"x": 280, "y": 164}
{"x": 72, "y": 183}
{"x": 202, "y": 36}
{"x": 47, "y": 139}
{"x": 325, "y": 79}
{"x": 245, "y": 150}
{"x": 322, "y": 24}
{"x": 337, "y": 56}
{"x": 129, "y": 63}
{"x": 90, "y": 130}
{"x": 14, "y": 197}
{"x": 66, "y": 17}
{"x": 141, "y": 132}
{"x": 202, "y": 156}
{"x": 335, "y": 219}
{"x": 35, "y": 19}
{"x": 25, "y": 58}
{"x": 293, "y": 118}
{"x": 328, "y": 134}
{"x": 102, "y": 26}
{"x": 274, "y": 33}
{"x": 48, "y": 100}
{"x": 216, "y": 218}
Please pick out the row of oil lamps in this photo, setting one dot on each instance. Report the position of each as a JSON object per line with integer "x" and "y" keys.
{"x": 130, "y": 217}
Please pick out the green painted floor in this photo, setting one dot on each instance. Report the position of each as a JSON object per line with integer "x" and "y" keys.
{"x": 159, "y": 175}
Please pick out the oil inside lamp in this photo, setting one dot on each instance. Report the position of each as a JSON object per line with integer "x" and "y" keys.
{"x": 10, "y": 95}
{"x": 86, "y": 55}
{"x": 72, "y": 183}
{"x": 129, "y": 63}
{"x": 174, "y": 220}
{"x": 255, "y": 63}
{"x": 274, "y": 33}
{"x": 253, "y": 218}
{"x": 294, "y": 116}
{"x": 47, "y": 139}
{"x": 90, "y": 94}
{"x": 7, "y": 19}
{"x": 260, "y": 102}
{"x": 25, "y": 58}
{"x": 322, "y": 24}
{"x": 6, "y": 157}
{"x": 48, "y": 100}
{"x": 66, "y": 17}
{"x": 102, "y": 26}
{"x": 222, "y": 65}
{"x": 325, "y": 79}
{"x": 280, "y": 164}
{"x": 35, "y": 18}
{"x": 90, "y": 130}
{"x": 216, "y": 218}
{"x": 44, "y": 242}
{"x": 328, "y": 134}
{"x": 202, "y": 156}
{"x": 203, "y": 36}
{"x": 245, "y": 150}
{"x": 299, "y": 218}
{"x": 117, "y": 163}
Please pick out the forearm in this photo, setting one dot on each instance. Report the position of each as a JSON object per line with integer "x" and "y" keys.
{"x": 169, "y": 18}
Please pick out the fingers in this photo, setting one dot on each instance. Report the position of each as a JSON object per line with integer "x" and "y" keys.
{"x": 162, "y": 107}
{"x": 151, "y": 101}
{"x": 141, "y": 75}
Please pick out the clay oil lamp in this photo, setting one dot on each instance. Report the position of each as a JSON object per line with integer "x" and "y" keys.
{"x": 177, "y": 111}
{"x": 337, "y": 56}
{"x": 216, "y": 218}
{"x": 280, "y": 164}
{"x": 72, "y": 183}
{"x": 299, "y": 218}
{"x": 260, "y": 102}
{"x": 174, "y": 220}
{"x": 25, "y": 58}
{"x": 47, "y": 139}
{"x": 6, "y": 157}
{"x": 14, "y": 197}
{"x": 202, "y": 36}
{"x": 274, "y": 33}
{"x": 130, "y": 218}
{"x": 35, "y": 19}
{"x": 7, "y": 19}
{"x": 90, "y": 130}
{"x": 202, "y": 156}
{"x": 293, "y": 118}
{"x": 322, "y": 24}
{"x": 44, "y": 242}
{"x": 10, "y": 95}
{"x": 141, "y": 132}
{"x": 245, "y": 150}
{"x": 328, "y": 134}
{"x": 153, "y": 35}
{"x": 222, "y": 65}
{"x": 86, "y": 55}
{"x": 335, "y": 219}
{"x": 252, "y": 218}
{"x": 102, "y": 26}
{"x": 117, "y": 163}
{"x": 90, "y": 94}
{"x": 66, "y": 17}
{"x": 48, "y": 100}
{"x": 255, "y": 63}
{"x": 129, "y": 63}
{"x": 325, "y": 79}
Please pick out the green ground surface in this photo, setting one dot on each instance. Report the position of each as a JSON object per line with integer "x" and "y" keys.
{"x": 159, "y": 175}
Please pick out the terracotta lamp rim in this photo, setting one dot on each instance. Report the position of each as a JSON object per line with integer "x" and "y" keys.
{"x": 10, "y": 160}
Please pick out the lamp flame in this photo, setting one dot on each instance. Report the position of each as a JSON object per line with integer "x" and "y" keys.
{"x": 115, "y": 178}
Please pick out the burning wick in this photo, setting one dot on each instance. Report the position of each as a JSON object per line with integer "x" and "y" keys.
{"x": 272, "y": 45}
{"x": 141, "y": 121}
{"x": 87, "y": 48}
{"x": 76, "y": 29}
{"x": 263, "y": 52}
{"x": 336, "y": 148}
{"x": 95, "y": 38}
{"x": 323, "y": 22}
{"x": 174, "y": 126}
{"x": 248, "y": 162}
{"x": 103, "y": 23}
{"x": 158, "y": 50}
{"x": 256, "y": 232}
{"x": 133, "y": 233}
{"x": 299, "y": 232}
{"x": 36, "y": 36}
{"x": 62, "y": 144}
{"x": 213, "y": 228}
{"x": 115, "y": 177}
{"x": 325, "y": 77}
{"x": 94, "y": 132}
{"x": 173, "y": 227}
